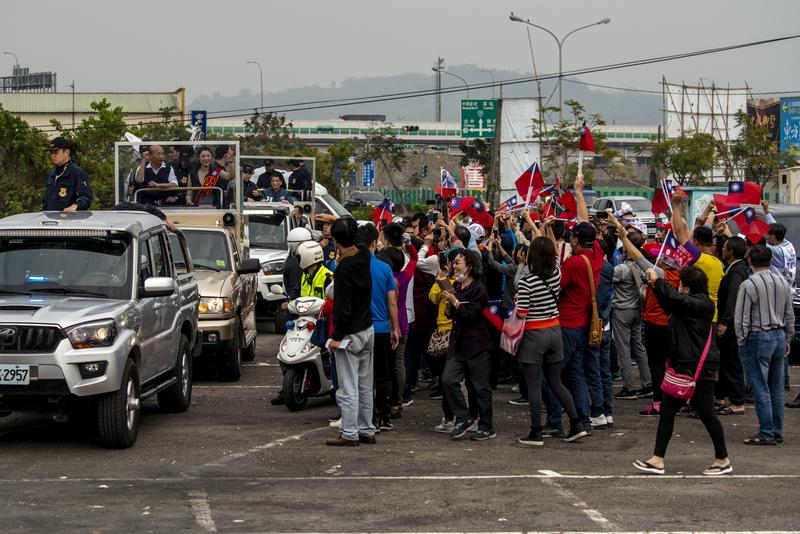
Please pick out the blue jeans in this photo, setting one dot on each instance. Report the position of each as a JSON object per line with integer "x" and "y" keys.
{"x": 606, "y": 401}
{"x": 762, "y": 358}
{"x": 355, "y": 376}
{"x": 573, "y": 376}
{"x": 594, "y": 378}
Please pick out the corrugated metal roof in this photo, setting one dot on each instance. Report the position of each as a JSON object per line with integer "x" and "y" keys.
{"x": 62, "y": 102}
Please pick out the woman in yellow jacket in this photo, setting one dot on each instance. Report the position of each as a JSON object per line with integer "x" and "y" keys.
{"x": 440, "y": 341}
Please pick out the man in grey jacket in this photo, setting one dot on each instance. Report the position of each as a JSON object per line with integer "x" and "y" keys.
{"x": 626, "y": 324}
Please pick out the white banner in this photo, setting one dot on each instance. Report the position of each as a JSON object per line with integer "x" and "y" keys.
{"x": 518, "y": 147}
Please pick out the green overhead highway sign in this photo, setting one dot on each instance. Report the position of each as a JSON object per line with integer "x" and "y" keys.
{"x": 478, "y": 118}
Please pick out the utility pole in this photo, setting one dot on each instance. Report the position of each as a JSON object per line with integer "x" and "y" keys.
{"x": 72, "y": 85}
{"x": 438, "y": 67}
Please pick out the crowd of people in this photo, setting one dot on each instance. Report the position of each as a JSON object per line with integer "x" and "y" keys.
{"x": 597, "y": 301}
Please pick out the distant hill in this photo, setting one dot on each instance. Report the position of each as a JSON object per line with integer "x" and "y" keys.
{"x": 620, "y": 107}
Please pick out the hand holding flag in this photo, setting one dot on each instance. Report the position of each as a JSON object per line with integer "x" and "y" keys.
{"x": 585, "y": 144}
{"x": 382, "y": 214}
{"x": 750, "y": 225}
{"x": 530, "y": 182}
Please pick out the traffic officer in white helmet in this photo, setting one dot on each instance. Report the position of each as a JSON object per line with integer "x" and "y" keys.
{"x": 316, "y": 276}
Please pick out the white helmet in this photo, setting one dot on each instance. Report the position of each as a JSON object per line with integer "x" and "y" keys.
{"x": 297, "y": 236}
{"x": 310, "y": 253}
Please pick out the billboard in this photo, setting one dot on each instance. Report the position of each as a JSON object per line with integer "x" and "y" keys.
{"x": 790, "y": 123}
{"x": 767, "y": 113}
{"x": 519, "y": 147}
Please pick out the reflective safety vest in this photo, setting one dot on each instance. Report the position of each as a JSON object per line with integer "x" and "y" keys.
{"x": 315, "y": 286}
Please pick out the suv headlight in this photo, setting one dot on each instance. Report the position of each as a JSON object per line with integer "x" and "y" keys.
{"x": 215, "y": 305}
{"x": 272, "y": 267}
{"x": 86, "y": 336}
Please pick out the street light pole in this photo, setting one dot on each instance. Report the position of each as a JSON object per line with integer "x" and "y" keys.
{"x": 492, "y": 75}
{"x": 261, "y": 77}
{"x": 73, "y": 102}
{"x": 441, "y": 69}
{"x": 560, "y": 43}
{"x": 16, "y": 61}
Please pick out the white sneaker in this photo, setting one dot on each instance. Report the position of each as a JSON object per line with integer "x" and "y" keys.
{"x": 609, "y": 421}
{"x": 599, "y": 422}
{"x": 515, "y": 388}
{"x": 445, "y": 427}
{"x": 336, "y": 424}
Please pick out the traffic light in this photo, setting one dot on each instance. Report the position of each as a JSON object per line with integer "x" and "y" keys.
{"x": 424, "y": 171}
{"x": 410, "y": 129}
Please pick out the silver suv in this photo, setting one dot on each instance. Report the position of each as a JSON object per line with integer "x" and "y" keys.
{"x": 98, "y": 311}
{"x": 642, "y": 208}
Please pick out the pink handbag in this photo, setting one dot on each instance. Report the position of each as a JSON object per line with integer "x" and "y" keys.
{"x": 511, "y": 336}
{"x": 682, "y": 386}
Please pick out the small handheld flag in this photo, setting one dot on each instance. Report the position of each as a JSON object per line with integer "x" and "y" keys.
{"x": 382, "y": 214}
{"x": 530, "y": 182}
{"x": 585, "y": 144}
{"x": 448, "y": 184}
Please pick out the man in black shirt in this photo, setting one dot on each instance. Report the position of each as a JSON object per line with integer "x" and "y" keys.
{"x": 67, "y": 186}
{"x": 183, "y": 169}
{"x": 300, "y": 181}
{"x": 352, "y": 340}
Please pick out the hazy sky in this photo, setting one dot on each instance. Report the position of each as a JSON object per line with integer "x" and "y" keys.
{"x": 203, "y": 45}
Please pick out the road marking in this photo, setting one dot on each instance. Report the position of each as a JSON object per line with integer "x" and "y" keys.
{"x": 591, "y": 513}
{"x": 260, "y": 364}
{"x": 550, "y": 473}
{"x": 214, "y": 386}
{"x": 202, "y": 510}
{"x": 399, "y": 478}
{"x": 275, "y": 443}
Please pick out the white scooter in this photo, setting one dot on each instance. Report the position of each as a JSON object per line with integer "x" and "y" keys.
{"x": 306, "y": 369}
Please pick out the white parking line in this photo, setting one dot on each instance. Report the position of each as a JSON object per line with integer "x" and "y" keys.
{"x": 276, "y": 443}
{"x": 202, "y": 510}
{"x": 591, "y": 513}
{"x": 260, "y": 364}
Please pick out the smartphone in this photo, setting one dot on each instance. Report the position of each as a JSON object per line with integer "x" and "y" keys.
{"x": 445, "y": 284}
{"x": 433, "y": 217}
{"x": 601, "y": 215}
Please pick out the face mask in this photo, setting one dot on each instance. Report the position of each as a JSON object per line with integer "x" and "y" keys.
{"x": 461, "y": 277}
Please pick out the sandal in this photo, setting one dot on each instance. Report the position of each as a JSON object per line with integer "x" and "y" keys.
{"x": 759, "y": 440}
{"x": 716, "y": 470}
{"x": 647, "y": 467}
{"x": 727, "y": 410}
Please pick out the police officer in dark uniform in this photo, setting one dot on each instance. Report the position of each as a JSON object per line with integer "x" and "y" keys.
{"x": 67, "y": 186}
{"x": 183, "y": 170}
{"x": 300, "y": 181}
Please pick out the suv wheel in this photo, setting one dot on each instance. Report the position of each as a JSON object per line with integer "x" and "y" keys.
{"x": 292, "y": 389}
{"x": 230, "y": 369}
{"x": 178, "y": 396}
{"x": 118, "y": 412}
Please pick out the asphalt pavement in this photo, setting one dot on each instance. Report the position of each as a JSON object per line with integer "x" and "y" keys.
{"x": 235, "y": 463}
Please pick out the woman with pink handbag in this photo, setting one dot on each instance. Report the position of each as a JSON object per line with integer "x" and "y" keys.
{"x": 692, "y": 366}
{"x": 542, "y": 349}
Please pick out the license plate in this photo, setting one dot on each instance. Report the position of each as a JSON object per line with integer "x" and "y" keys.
{"x": 15, "y": 375}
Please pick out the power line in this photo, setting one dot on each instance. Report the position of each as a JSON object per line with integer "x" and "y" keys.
{"x": 404, "y": 95}
{"x": 648, "y": 91}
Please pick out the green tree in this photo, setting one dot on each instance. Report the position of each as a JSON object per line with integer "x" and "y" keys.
{"x": 337, "y": 162}
{"x": 24, "y": 165}
{"x": 168, "y": 128}
{"x": 94, "y": 138}
{"x": 382, "y": 146}
{"x": 688, "y": 158}
{"x": 270, "y": 134}
{"x": 562, "y": 140}
{"x": 755, "y": 153}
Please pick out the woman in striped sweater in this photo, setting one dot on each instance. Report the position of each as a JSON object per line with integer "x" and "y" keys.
{"x": 541, "y": 349}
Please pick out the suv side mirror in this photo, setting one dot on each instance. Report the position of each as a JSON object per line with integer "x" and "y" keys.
{"x": 159, "y": 286}
{"x": 249, "y": 266}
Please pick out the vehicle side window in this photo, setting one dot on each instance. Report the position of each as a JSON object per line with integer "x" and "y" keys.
{"x": 319, "y": 207}
{"x": 145, "y": 267}
{"x": 178, "y": 258}
{"x": 235, "y": 250}
{"x": 159, "y": 259}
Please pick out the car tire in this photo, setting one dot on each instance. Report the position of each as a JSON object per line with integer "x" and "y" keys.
{"x": 249, "y": 352}
{"x": 118, "y": 412}
{"x": 178, "y": 396}
{"x": 281, "y": 317}
{"x": 292, "y": 384}
{"x": 230, "y": 369}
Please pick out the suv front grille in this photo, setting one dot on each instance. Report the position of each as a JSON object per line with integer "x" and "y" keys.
{"x": 29, "y": 339}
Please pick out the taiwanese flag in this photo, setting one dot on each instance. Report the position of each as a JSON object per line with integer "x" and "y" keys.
{"x": 751, "y": 226}
{"x": 566, "y": 206}
{"x": 676, "y": 254}
{"x": 586, "y": 142}
{"x": 492, "y": 314}
{"x": 662, "y": 199}
{"x": 509, "y": 204}
{"x": 477, "y": 210}
{"x": 530, "y": 180}
{"x": 724, "y": 205}
{"x": 459, "y": 204}
{"x": 744, "y": 193}
{"x": 382, "y": 214}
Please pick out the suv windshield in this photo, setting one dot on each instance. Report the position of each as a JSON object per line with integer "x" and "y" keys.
{"x": 338, "y": 208}
{"x": 209, "y": 250}
{"x": 267, "y": 231}
{"x": 639, "y": 205}
{"x": 69, "y": 265}
{"x": 370, "y": 196}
